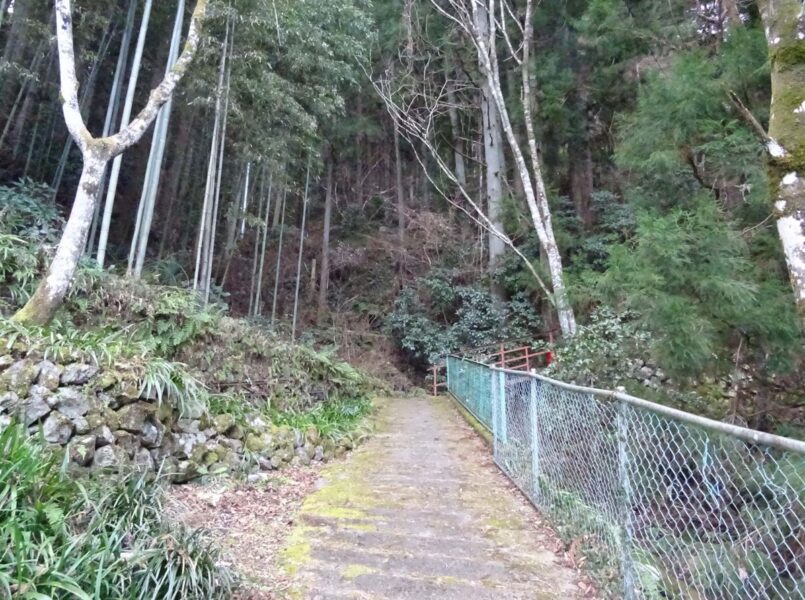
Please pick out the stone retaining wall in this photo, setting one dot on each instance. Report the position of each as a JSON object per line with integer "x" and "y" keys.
{"x": 105, "y": 420}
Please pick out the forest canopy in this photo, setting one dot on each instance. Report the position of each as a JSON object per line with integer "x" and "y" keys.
{"x": 438, "y": 174}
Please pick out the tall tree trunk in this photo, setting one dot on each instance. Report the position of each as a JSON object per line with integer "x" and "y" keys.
{"x": 258, "y": 309}
{"x": 495, "y": 163}
{"x": 301, "y": 252}
{"x": 455, "y": 128}
{"x": 180, "y": 167}
{"x": 112, "y": 108}
{"x": 400, "y": 201}
{"x": 279, "y": 256}
{"x": 533, "y": 183}
{"x": 50, "y": 293}
{"x": 145, "y": 212}
{"x": 324, "y": 277}
{"x": 108, "y": 208}
{"x": 258, "y": 235}
{"x": 86, "y": 99}
{"x": 96, "y": 154}
{"x": 784, "y": 22}
{"x": 231, "y": 233}
{"x": 202, "y": 273}
{"x": 581, "y": 182}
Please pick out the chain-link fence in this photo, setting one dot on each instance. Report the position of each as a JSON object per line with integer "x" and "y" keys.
{"x": 657, "y": 503}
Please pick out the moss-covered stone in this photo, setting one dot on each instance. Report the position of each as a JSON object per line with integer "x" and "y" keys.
{"x": 222, "y": 423}
{"x": 110, "y": 458}
{"x": 255, "y": 443}
{"x": 134, "y": 416}
{"x": 49, "y": 375}
{"x": 82, "y": 450}
{"x": 57, "y": 429}
{"x": 19, "y": 377}
{"x": 312, "y": 435}
{"x": 106, "y": 380}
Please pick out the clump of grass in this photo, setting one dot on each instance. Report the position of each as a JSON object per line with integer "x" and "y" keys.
{"x": 171, "y": 382}
{"x": 66, "y": 538}
{"x": 332, "y": 419}
{"x": 62, "y": 341}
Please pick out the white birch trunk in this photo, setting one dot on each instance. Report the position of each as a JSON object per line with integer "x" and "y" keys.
{"x": 536, "y": 196}
{"x": 96, "y": 153}
{"x": 784, "y": 22}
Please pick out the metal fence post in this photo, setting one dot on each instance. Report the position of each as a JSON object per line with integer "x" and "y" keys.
{"x": 495, "y": 390}
{"x": 502, "y": 409}
{"x": 624, "y": 479}
{"x": 447, "y": 371}
{"x": 535, "y": 445}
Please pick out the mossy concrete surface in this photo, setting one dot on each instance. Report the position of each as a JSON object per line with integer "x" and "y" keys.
{"x": 421, "y": 512}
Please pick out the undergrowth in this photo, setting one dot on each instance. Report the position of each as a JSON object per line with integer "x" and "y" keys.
{"x": 332, "y": 420}
{"x": 178, "y": 349}
{"x": 61, "y": 537}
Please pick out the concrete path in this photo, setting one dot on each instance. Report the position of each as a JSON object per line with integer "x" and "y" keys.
{"x": 421, "y": 512}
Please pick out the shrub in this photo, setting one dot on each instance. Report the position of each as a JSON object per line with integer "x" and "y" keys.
{"x": 442, "y": 316}
{"x": 61, "y": 537}
{"x": 602, "y": 351}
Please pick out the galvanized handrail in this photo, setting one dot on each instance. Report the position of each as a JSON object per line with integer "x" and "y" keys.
{"x": 744, "y": 433}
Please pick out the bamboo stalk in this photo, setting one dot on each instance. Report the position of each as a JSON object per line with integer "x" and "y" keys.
{"x": 301, "y": 251}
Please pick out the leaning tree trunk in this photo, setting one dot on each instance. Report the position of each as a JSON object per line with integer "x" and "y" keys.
{"x": 784, "y": 22}
{"x": 564, "y": 310}
{"x": 51, "y": 291}
{"x": 96, "y": 154}
{"x": 485, "y": 36}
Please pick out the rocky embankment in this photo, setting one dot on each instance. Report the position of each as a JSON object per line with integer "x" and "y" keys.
{"x": 108, "y": 420}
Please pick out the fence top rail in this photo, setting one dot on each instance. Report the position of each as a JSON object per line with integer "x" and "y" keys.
{"x": 743, "y": 433}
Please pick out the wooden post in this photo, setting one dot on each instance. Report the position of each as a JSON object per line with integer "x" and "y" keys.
{"x": 435, "y": 373}
{"x": 502, "y": 356}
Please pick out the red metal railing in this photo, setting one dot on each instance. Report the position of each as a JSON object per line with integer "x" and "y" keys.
{"x": 522, "y": 358}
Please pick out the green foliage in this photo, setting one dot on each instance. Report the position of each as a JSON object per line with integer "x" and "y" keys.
{"x": 333, "y": 420}
{"x": 61, "y": 537}
{"x": 19, "y": 268}
{"x": 442, "y": 316}
{"x": 601, "y": 350}
{"x": 62, "y": 341}
{"x": 29, "y": 222}
{"x": 26, "y": 209}
{"x": 684, "y": 135}
{"x": 690, "y": 278}
{"x": 172, "y": 383}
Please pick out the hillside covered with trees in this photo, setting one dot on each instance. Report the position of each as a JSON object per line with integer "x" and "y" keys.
{"x": 216, "y": 205}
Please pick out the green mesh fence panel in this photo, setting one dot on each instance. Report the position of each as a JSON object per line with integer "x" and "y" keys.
{"x": 471, "y": 383}
{"x": 661, "y": 507}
